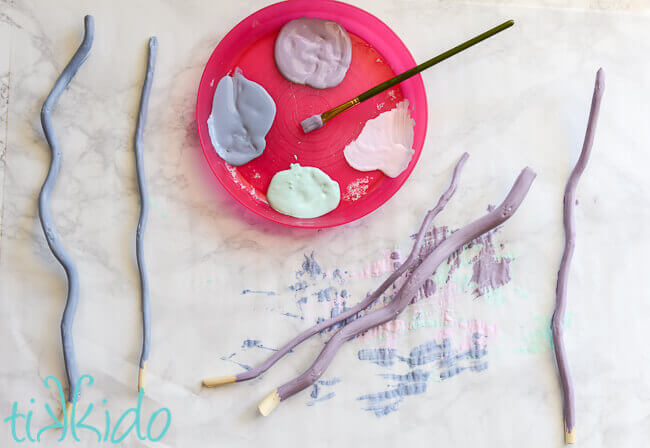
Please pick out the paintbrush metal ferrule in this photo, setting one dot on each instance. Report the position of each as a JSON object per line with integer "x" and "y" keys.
{"x": 317, "y": 121}
{"x": 326, "y": 116}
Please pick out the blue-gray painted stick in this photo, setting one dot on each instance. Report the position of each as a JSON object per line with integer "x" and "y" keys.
{"x": 53, "y": 239}
{"x": 144, "y": 210}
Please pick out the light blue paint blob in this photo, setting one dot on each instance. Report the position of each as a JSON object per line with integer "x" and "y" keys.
{"x": 242, "y": 114}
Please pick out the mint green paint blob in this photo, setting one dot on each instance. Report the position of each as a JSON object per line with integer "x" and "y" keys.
{"x": 303, "y": 192}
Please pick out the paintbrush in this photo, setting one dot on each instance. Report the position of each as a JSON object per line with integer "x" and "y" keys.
{"x": 316, "y": 121}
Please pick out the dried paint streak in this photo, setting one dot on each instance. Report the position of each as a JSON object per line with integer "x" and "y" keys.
{"x": 248, "y": 343}
{"x": 536, "y": 335}
{"x": 299, "y": 286}
{"x": 383, "y": 403}
{"x": 323, "y": 398}
{"x": 316, "y": 391}
{"x": 250, "y": 291}
{"x": 428, "y": 352}
{"x": 380, "y": 356}
{"x": 331, "y": 382}
{"x": 319, "y": 294}
{"x": 412, "y": 376}
{"x": 310, "y": 267}
{"x": 490, "y": 273}
{"x": 230, "y": 359}
{"x": 481, "y": 268}
{"x": 325, "y": 294}
{"x": 490, "y": 266}
{"x": 434, "y": 361}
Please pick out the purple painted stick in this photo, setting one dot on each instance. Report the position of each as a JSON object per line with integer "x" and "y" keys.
{"x": 409, "y": 290}
{"x": 563, "y": 272}
{"x": 408, "y": 263}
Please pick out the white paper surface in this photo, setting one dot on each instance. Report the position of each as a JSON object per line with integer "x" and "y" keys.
{"x": 520, "y": 99}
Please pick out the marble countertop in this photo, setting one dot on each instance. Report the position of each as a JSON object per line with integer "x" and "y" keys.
{"x": 227, "y": 287}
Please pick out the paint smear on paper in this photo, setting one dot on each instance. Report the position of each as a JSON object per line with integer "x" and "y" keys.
{"x": 250, "y": 291}
{"x": 457, "y": 345}
{"x": 319, "y": 391}
{"x": 536, "y": 335}
{"x": 428, "y": 362}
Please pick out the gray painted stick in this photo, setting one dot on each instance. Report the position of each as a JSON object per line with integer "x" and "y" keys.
{"x": 563, "y": 273}
{"x": 144, "y": 210}
{"x": 369, "y": 300}
{"x": 51, "y": 235}
{"x": 408, "y": 291}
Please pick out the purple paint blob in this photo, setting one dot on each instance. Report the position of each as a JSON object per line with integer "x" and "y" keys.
{"x": 490, "y": 273}
{"x": 429, "y": 287}
{"x": 314, "y": 52}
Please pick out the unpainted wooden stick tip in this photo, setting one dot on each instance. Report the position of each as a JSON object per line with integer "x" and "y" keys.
{"x": 270, "y": 402}
{"x": 68, "y": 411}
{"x": 569, "y": 436}
{"x": 141, "y": 377}
{"x": 219, "y": 380}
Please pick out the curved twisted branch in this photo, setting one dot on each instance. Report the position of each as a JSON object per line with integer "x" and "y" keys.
{"x": 369, "y": 300}
{"x": 144, "y": 210}
{"x": 569, "y": 246}
{"x": 51, "y": 235}
{"x": 407, "y": 292}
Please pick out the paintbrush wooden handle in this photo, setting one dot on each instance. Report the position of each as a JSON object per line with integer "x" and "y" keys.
{"x": 325, "y": 116}
{"x": 433, "y": 61}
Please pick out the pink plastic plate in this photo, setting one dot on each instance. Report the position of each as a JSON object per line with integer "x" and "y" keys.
{"x": 377, "y": 55}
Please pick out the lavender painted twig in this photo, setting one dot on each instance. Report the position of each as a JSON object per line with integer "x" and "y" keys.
{"x": 144, "y": 210}
{"x": 406, "y": 293}
{"x": 51, "y": 235}
{"x": 369, "y": 300}
{"x": 569, "y": 246}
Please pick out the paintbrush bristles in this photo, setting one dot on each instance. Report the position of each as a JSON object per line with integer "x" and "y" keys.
{"x": 311, "y": 124}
